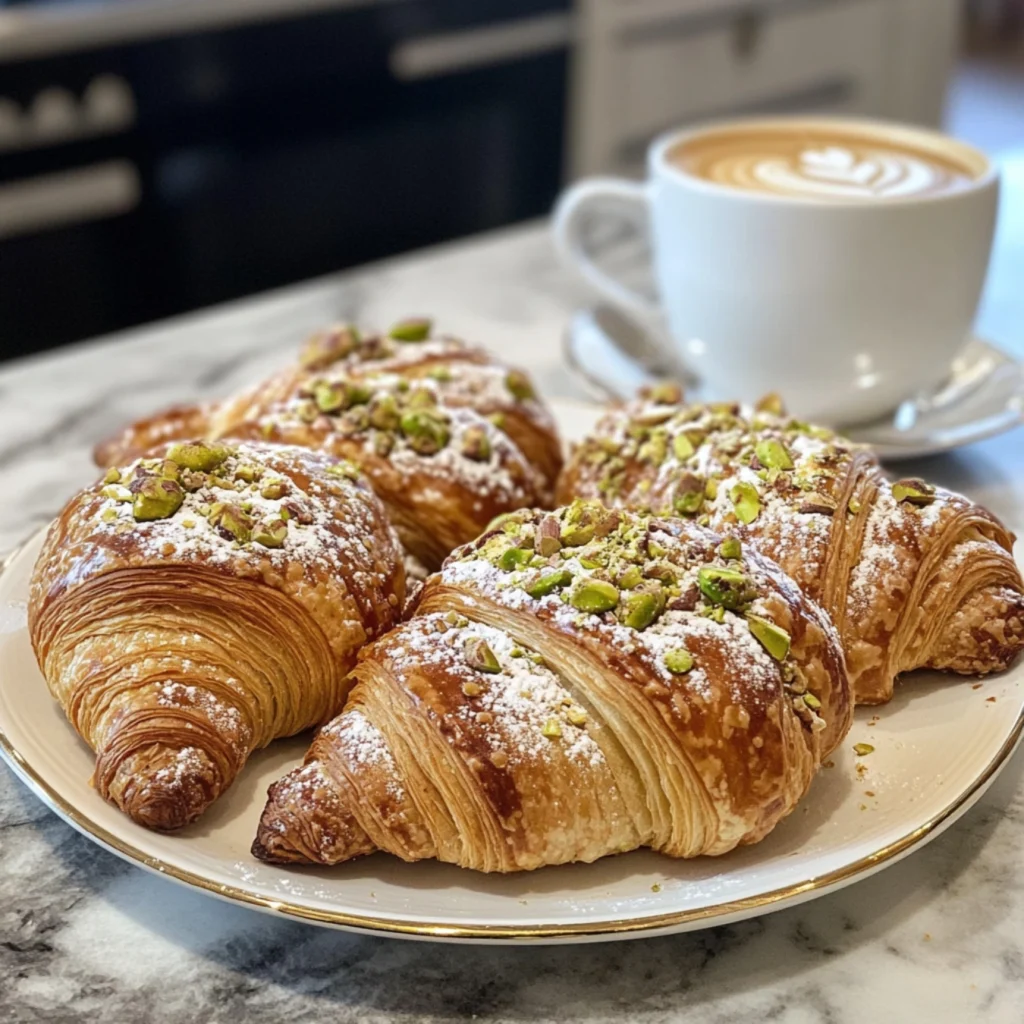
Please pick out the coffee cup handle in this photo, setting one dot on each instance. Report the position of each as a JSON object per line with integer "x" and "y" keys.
{"x": 623, "y": 199}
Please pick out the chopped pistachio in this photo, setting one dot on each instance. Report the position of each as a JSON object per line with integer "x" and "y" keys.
{"x": 639, "y": 608}
{"x": 913, "y": 492}
{"x": 772, "y": 404}
{"x": 731, "y": 548}
{"x": 816, "y": 502}
{"x": 711, "y": 489}
{"x": 271, "y": 533}
{"x": 812, "y": 702}
{"x": 497, "y": 419}
{"x": 476, "y": 445}
{"x": 688, "y": 493}
{"x": 746, "y": 501}
{"x": 248, "y": 471}
{"x": 479, "y": 655}
{"x": 519, "y": 385}
{"x": 854, "y": 506}
{"x": 472, "y": 689}
{"x": 549, "y": 583}
{"x": 773, "y": 454}
{"x": 594, "y": 596}
{"x": 576, "y": 716}
{"x": 416, "y": 328}
{"x": 112, "y": 476}
{"x": 682, "y": 447}
{"x": 273, "y": 489}
{"x": 548, "y": 540}
{"x": 512, "y": 558}
{"x": 307, "y": 410}
{"x": 156, "y": 498}
{"x": 384, "y": 413}
{"x": 774, "y": 639}
{"x": 667, "y": 393}
{"x": 440, "y": 373}
{"x": 863, "y": 749}
{"x": 383, "y": 443}
{"x": 331, "y": 397}
{"x": 108, "y": 515}
{"x": 716, "y": 613}
{"x": 552, "y": 729}
{"x": 631, "y": 578}
{"x": 346, "y": 469}
{"x": 655, "y": 448}
{"x": 678, "y": 661}
{"x": 426, "y": 432}
{"x": 329, "y": 346}
{"x": 231, "y": 522}
{"x": 728, "y": 587}
{"x": 116, "y": 492}
{"x": 198, "y": 455}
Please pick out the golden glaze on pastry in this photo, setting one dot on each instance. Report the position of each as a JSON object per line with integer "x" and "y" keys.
{"x": 572, "y": 685}
{"x": 198, "y": 604}
{"x": 913, "y": 576}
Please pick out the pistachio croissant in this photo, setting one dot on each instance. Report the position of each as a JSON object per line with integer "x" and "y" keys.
{"x": 572, "y": 685}
{"x": 463, "y": 376}
{"x": 198, "y": 604}
{"x": 912, "y": 575}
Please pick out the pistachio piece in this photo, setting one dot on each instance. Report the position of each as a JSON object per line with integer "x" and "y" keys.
{"x": 497, "y": 419}
{"x": 307, "y": 410}
{"x": 471, "y": 689}
{"x": 116, "y": 492}
{"x": 198, "y": 455}
{"x": 655, "y": 448}
{"x": 329, "y": 346}
{"x": 711, "y": 489}
{"x": 731, "y": 548}
{"x": 440, "y": 373}
{"x": 773, "y": 454}
{"x": 594, "y": 596}
{"x": 812, "y": 702}
{"x": 552, "y": 729}
{"x": 816, "y": 502}
{"x": 331, "y": 396}
{"x": 682, "y": 447}
{"x": 774, "y": 639}
{"x": 746, "y": 501}
{"x": 639, "y": 608}
{"x": 863, "y": 749}
{"x": 576, "y": 716}
{"x": 384, "y": 413}
{"x": 913, "y": 491}
{"x": 548, "y": 583}
{"x": 346, "y": 469}
{"x": 667, "y": 393}
{"x": 413, "y": 328}
{"x": 426, "y": 432}
{"x": 512, "y": 558}
{"x": 156, "y": 498}
{"x": 248, "y": 471}
{"x": 479, "y": 656}
{"x": 548, "y": 540}
{"x": 631, "y": 578}
{"x": 678, "y": 661}
{"x": 580, "y": 523}
{"x": 230, "y": 521}
{"x": 688, "y": 493}
{"x": 519, "y": 385}
{"x": 476, "y": 445}
{"x": 853, "y": 506}
{"x": 728, "y": 587}
{"x": 271, "y": 533}
{"x": 112, "y": 476}
{"x": 273, "y": 489}
{"x": 108, "y": 515}
{"x": 383, "y": 443}
{"x": 772, "y": 404}
{"x": 716, "y": 613}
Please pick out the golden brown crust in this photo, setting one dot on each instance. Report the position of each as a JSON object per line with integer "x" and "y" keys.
{"x": 177, "y": 645}
{"x": 919, "y": 577}
{"x": 505, "y": 727}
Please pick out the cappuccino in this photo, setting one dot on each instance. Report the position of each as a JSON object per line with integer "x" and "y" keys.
{"x": 824, "y": 163}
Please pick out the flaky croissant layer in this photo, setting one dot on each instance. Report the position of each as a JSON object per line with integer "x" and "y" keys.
{"x": 572, "y": 685}
{"x": 196, "y": 604}
{"x": 913, "y": 576}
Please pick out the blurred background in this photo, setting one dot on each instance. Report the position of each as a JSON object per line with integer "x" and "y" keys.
{"x": 157, "y": 156}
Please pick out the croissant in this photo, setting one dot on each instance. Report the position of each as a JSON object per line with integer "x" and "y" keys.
{"x": 461, "y": 375}
{"x": 912, "y": 575}
{"x": 198, "y": 604}
{"x": 574, "y": 684}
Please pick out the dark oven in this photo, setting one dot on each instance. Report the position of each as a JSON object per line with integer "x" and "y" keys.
{"x": 149, "y": 165}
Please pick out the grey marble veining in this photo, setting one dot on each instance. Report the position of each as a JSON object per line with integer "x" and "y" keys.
{"x": 84, "y": 936}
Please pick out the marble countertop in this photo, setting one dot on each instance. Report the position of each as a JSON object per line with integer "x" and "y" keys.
{"x": 85, "y": 936}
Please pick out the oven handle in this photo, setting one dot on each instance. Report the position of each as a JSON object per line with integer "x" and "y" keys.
{"x": 68, "y": 197}
{"x": 453, "y": 52}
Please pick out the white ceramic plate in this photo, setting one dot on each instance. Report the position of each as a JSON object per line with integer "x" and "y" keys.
{"x": 938, "y": 746}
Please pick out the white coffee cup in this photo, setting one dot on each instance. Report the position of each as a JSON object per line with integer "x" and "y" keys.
{"x": 846, "y": 307}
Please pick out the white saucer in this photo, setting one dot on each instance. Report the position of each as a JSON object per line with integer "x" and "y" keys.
{"x": 983, "y": 396}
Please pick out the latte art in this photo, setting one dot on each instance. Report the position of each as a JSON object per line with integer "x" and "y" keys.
{"x": 803, "y": 163}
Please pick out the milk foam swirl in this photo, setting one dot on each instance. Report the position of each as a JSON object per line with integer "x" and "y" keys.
{"x": 823, "y": 168}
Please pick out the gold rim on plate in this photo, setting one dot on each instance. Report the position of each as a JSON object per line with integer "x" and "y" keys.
{"x": 633, "y": 925}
